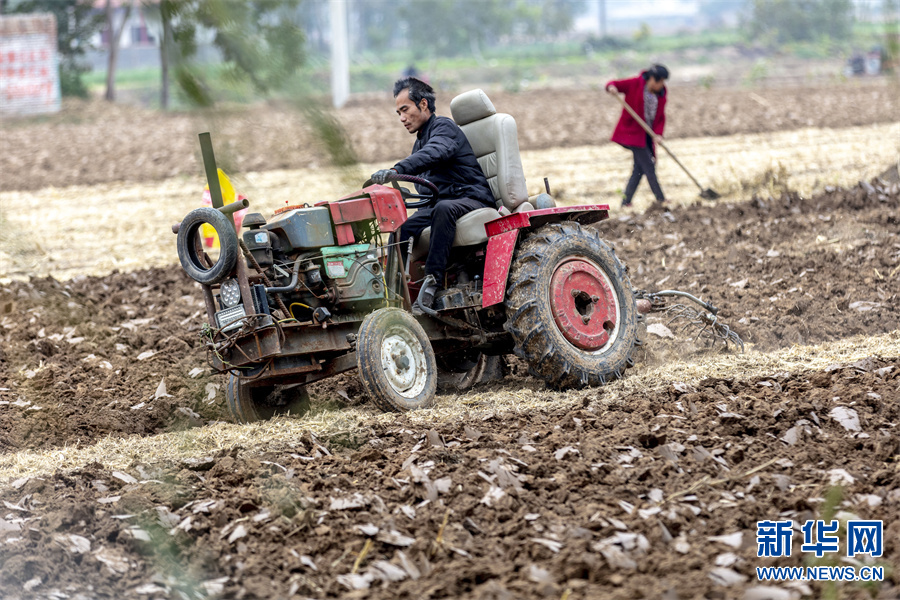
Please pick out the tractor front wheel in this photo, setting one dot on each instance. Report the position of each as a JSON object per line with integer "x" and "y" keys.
{"x": 396, "y": 363}
{"x": 261, "y": 403}
{"x": 570, "y": 308}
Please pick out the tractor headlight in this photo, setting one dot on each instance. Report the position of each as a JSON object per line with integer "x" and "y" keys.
{"x": 230, "y": 293}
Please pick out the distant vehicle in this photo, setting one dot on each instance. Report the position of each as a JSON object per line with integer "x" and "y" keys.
{"x": 870, "y": 63}
{"x": 856, "y": 65}
{"x": 873, "y": 61}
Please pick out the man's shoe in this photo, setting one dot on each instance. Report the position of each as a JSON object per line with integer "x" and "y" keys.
{"x": 426, "y": 295}
{"x": 626, "y": 203}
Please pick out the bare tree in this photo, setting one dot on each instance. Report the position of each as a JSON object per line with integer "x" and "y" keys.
{"x": 115, "y": 37}
{"x": 166, "y": 9}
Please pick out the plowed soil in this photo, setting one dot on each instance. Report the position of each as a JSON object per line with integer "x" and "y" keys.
{"x": 95, "y": 143}
{"x": 652, "y": 494}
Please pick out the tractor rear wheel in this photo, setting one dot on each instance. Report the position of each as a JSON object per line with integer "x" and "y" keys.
{"x": 396, "y": 362}
{"x": 261, "y": 403}
{"x": 570, "y": 308}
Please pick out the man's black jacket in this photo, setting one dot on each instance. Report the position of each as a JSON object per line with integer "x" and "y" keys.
{"x": 443, "y": 155}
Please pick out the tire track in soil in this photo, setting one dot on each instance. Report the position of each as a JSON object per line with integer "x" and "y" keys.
{"x": 649, "y": 495}
{"x": 91, "y": 352}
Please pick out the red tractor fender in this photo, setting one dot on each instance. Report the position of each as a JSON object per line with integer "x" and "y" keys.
{"x": 503, "y": 233}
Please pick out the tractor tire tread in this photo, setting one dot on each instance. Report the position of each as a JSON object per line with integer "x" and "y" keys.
{"x": 246, "y": 409}
{"x": 239, "y": 404}
{"x": 228, "y": 245}
{"x": 534, "y": 332}
{"x": 371, "y": 371}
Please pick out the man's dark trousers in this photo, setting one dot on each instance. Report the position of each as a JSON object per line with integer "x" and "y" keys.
{"x": 442, "y": 220}
{"x": 644, "y": 164}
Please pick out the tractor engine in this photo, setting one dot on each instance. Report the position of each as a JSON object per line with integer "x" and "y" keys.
{"x": 316, "y": 278}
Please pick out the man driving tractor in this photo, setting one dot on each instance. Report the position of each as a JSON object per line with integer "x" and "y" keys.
{"x": 443, "y": 155}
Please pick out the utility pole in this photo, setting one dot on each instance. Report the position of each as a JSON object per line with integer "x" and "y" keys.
{"x": 340, "y": 54}
{"x": 602, "y": 9}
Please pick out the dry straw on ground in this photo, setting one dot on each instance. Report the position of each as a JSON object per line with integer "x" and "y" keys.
{"x": 80, "y": 230}
{"x": 120, "y": 453}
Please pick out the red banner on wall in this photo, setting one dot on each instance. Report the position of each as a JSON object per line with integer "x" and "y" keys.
{"x": 29, "y": 65}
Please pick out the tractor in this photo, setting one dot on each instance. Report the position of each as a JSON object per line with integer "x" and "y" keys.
{"x": 322, "y": 287}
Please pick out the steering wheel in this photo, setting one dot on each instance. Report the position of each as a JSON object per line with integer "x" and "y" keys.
{"x": 425, "y": 199}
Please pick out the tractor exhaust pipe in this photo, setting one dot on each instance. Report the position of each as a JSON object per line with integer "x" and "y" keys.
{"x": 228, "y": 209}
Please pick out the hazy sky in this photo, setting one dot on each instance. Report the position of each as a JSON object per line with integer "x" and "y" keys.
{"x": 633, "y": 9}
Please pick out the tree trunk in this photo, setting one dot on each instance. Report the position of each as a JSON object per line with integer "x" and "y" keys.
{"x": 164, "y": 42}
{"x": 115, "y": 37}
{"x": 475, "y": 47}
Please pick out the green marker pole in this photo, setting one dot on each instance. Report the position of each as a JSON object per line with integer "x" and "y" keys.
{"x": 212, "y": 173}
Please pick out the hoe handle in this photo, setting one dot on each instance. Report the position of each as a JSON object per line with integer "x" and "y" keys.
{"x": 653, "y": 135}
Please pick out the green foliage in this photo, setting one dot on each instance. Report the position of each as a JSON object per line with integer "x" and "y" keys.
{"x": 192, "y": 83}
{"x": 379, "y": 27}
{"x": 548, "y": 18}
{"x": 330, "y": 134}
{"x": 76, "y": 23}
{"x": 643, "y": 33}
{"x": 758, "y": 72}
{"x": 260, "y": 41}
{"x": 70, "y": 81}
{"x": 517, "y": 78}
{"x": 891, "y": 59}
{"x": 454, "y": 27}
{"x": 446, "y": 28}
{"x": 607, "y": 43}
{"x": 800, "y": 20}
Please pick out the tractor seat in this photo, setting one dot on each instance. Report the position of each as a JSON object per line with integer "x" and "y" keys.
{"x": 494, "y": 139}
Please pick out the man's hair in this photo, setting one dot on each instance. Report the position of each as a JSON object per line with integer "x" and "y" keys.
{"x": 657, "y": 72}
{"x": 418, "y": 90}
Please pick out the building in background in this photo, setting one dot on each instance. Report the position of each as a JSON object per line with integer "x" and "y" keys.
{"x": 138, "y": 33}
{"x": 139, "y": 46}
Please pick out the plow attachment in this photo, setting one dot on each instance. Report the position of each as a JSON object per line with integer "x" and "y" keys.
{"x": 684, "y": 316}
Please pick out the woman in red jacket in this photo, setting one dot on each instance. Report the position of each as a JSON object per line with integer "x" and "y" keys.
{"x": 646, "y": 94}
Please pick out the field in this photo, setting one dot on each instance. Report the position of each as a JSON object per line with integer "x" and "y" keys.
{"x": 122, "y": 477}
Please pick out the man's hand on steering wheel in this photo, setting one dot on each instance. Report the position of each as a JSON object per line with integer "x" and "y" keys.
{"x": 383, "y": 176}
{"x": 391, "y": 175}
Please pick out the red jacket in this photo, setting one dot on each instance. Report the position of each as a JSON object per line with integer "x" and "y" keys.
{"x": 628, "y": 132}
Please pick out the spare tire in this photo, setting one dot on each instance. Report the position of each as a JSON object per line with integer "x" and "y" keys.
{"x": 189, "y": 251}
